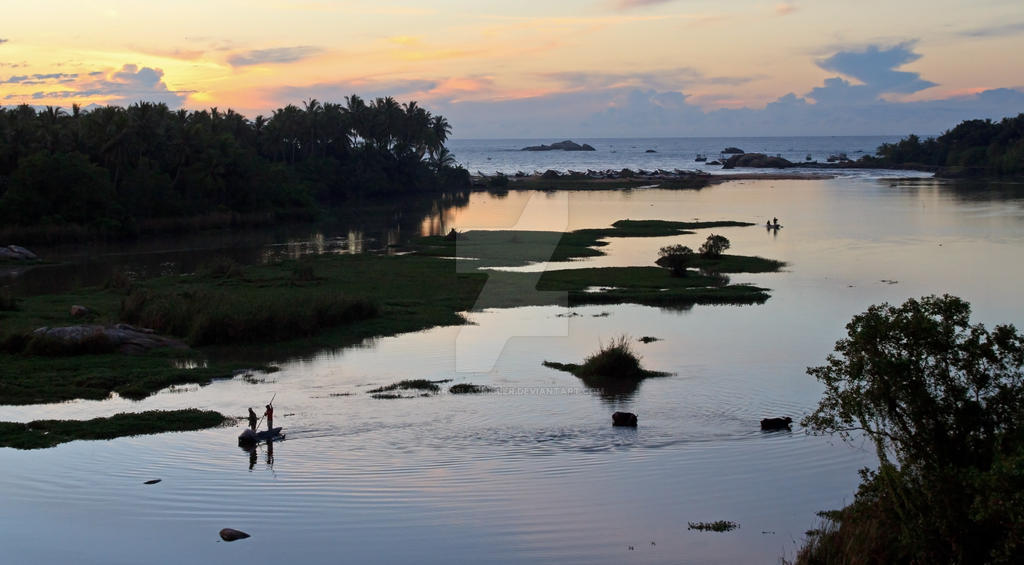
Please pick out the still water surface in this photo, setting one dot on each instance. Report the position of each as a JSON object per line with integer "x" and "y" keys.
{"x": 535, "y": 472}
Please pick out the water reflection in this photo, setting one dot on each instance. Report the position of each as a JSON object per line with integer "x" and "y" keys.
{"x": 253, "y": 452}
{"x": 612, "y": 390}
{"x": 366, "y": 226}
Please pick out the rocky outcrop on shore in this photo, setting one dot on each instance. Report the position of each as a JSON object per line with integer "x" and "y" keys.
{"x": 756, "y": 161}
{"x": 122, "y": 338}
{"x": 567, "y": 145}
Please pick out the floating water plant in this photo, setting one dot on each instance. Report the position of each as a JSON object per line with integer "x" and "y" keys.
{"x": 717, "y": 526}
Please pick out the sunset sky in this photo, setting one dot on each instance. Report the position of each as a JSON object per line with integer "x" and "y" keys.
{"x": 535, "y": 69}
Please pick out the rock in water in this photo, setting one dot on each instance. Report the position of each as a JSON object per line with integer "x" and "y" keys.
{"x": 776, "y": 423}
{"x": 77, "y": 311}
{"x": 624, "y": 419}
{"x": 230, "y": 534}
{"x": 567, "y": 145}
{"x": 756, "y": 160}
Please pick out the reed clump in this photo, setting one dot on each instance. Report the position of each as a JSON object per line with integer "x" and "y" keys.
{"x": 222, "y": 317}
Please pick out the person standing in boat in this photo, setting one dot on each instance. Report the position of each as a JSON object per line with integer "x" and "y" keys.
{"x": 252, "y": 419}
{"x": 270, "y": 416}
{"x": 775, "y": 221}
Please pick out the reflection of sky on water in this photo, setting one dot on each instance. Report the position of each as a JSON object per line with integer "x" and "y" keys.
{"x": 535, "y": 472}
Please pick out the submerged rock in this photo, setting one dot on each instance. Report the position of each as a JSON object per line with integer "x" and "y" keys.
{"x": 231, "y": 534}
{"x": 776, "y": 423}
{"x": 624, "y": 419}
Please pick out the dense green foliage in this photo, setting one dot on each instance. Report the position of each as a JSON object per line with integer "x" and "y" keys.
{"x": 48, "y": 433}
{"x": 714, "y": 246}
{"x": 115, "y": 170}
{"x": 676, "y": 258}
{"x": 943, "y": 402}
{"x": 978, "y": 147}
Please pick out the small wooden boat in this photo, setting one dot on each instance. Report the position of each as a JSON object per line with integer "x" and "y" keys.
{"x": 701, "y": 158}
{"x": 250, "y": 437}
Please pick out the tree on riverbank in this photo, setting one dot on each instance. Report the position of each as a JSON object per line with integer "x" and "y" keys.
{"x": 943, "y": 402}
{"x": 972, "y": 148}
{"x": 112, "y": 168}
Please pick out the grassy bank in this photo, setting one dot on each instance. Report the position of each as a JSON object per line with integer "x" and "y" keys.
{"x": 48, "y": 433}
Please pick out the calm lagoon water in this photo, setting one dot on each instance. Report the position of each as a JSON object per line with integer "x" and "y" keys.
{"x": 535, "y": 472}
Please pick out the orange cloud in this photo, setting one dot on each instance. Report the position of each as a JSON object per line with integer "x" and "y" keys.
{"x": 785, "y": 9}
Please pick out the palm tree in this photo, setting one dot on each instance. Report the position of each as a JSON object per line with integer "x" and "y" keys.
{"x": 440, "y": 129}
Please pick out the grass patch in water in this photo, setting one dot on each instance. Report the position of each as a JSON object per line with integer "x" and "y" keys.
{"x": 48, "y": 433}
{"x": 409, "y": 384}
{"x": 510, "y": 248}
{"x": 616, "y": 360}
{"x": 614, "y": 371}
{"x": 717, "y": 526}
{"x": 469, "y": 388}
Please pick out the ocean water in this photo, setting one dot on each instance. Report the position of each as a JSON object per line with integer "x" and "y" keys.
{"x": 506, "y": 156}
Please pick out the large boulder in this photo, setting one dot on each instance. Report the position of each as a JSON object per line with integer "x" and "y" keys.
{"x": 567, "y": 145}
{"x": 757, "y": 161}
{"x": 122, "y": 338}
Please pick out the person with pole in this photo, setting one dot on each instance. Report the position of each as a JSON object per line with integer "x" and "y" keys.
{"x": 270, "y": 416}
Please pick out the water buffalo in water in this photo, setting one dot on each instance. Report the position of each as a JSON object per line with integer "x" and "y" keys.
{"x": 624, "y": 419}
{"x": 776, "y": 423}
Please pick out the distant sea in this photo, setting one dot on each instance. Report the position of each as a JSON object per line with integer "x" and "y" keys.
{"x": 491, "y": 156}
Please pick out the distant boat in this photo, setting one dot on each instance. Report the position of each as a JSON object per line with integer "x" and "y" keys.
{"x": 837, "y": 157}
{"x": 808, "y": 157}
{"x": 701, "y": 158}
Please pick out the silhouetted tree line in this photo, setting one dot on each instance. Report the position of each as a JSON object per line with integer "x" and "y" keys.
{"x": 980, "y": 147}
{"x": 114, "y": 167}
